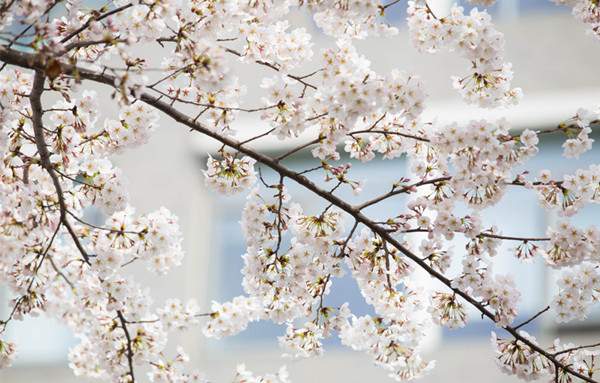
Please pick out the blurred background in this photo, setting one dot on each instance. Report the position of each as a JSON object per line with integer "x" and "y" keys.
{"x": 555, "y": 63}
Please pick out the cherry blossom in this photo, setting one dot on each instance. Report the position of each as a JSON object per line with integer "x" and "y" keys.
{"x": 475, "y": 38}
{"x": 230, "y": 175}
{"x": 78, "y": 87}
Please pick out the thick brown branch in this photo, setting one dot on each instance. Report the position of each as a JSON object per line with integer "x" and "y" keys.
{"x": 129, "y": 344}
{"x": 35, "y": 99}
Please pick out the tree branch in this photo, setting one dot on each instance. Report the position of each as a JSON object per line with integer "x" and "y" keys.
{"x": 40, "y": 142}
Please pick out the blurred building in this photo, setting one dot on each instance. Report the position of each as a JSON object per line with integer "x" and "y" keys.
{"x": 555, "y": 63}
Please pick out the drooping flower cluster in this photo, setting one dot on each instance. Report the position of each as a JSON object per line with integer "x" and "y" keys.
{"x": 474, "y": 37}
{"x": 389, "y": 343}
{"x": 378, "y": 269}
{"x": 517, "y": 358}
{"x": 230, "y": 175}
{"x": 446, "y": 310}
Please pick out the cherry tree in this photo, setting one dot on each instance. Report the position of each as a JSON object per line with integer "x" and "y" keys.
{"x": 56, "y": 146}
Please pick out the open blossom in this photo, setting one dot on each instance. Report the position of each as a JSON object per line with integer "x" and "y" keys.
{"x": 230, "y": 175}
{"x": 529, "y": 138}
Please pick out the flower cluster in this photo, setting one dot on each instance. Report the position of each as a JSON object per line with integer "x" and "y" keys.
{"x": 103, "y": 185}
{"x": 230, "y": 175}
{"x": 446, "y": 310}
{"x": 231, "y": 317}
{"x": 378, "y": 269}
{"x": 177, "y": 316}
{"x": 583, "y": 359}
{"x": 286, "y": 112}
{"x": 476, "y": 39}
{"x": 499, "y": 292}
{"x": 272, "y": 43}
{"x": 579, "y": 287}
{"x": 135, "y": 124}
{"x": 517, "y": 358}
{"x": 356, "y": 97}
{"x": 282, "y": 285}
{"x": 304, "y": 342}
{"x": 354, "y": 19}
{"x": 154, "y": 238}
{"x": 574, "y": 147}
{"x": 165, "y": 370}
{"x": 570, "y": 246}
{"x": 390, "y": 344}
{"x": 572, "y": 193}
{"x": 481, "y": 156}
